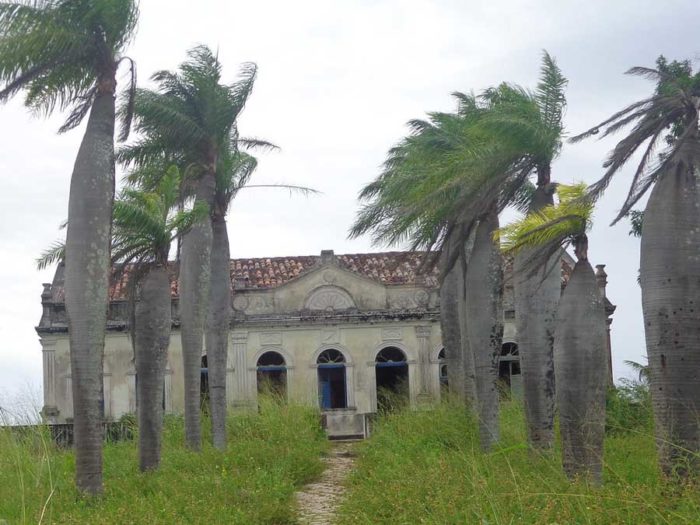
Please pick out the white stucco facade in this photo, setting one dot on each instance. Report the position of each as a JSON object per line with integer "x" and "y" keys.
{"x": 353, "y": 313}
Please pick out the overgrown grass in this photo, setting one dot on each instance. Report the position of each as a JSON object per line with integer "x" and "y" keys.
{"x": 426, "y": 467}
{"x": 270, "y": 454}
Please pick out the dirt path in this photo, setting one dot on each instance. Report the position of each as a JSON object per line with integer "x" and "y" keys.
{"x": 319, "y": 500}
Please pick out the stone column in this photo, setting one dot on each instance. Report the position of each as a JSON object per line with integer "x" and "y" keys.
{"x": 168, "y": 389}
{"x": 50, "y": 410}
{"x": 69, "y": 398}
{"x": 237, "y": 376}
{"x": 107, "y": 396}
{"x": 131, "y": 385}
{"x": 423, "y": 334}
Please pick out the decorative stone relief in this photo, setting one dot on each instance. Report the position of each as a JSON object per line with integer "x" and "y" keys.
{"x": 389, "y": 334}
{"x": 423, "y": 331}
{"x": 329, "y": 298}
{"x": 239, "y": 337}
{"x": 261, "y": 302}
{"x": 329, "y": 277}
{"x": 330, "y": 336}
{"x": 403, "y": 301}
{"x": 240, "y": 302}
{"x": 422, "y": 298}
{"x": 271, "y": 338}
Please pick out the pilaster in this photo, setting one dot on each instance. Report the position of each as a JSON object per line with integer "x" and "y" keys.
{"x": 423, "y": 334}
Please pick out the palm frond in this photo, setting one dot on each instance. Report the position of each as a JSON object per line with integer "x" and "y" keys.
{"x": 552, "y": 225}
{"x": 56, "y": 50}
{"x": 550, "y": 92}
{"x": 53, "y": 254}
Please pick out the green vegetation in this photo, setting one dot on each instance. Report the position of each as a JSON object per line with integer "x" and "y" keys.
{"x": 270, "y": 455}
{"x": 427, "y": 467}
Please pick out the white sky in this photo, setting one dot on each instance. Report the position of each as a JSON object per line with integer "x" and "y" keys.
{"x": 337, "y": 82}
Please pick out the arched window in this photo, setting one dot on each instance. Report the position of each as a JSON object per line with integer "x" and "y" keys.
{"x": 272, "y": 374}
{"x": 442, "y": 367}
{"x": 332, "y": 386}
{"x": 392, "y": 378}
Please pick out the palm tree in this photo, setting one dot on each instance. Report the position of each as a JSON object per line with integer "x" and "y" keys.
{"x": 233, "y": 174}
{"x": 144, "y": 227}
{"x": 579, "y": 336}
{"x": 531, "y": 124}
{"x": 191, "y": 117}
{"x": 65, "y": 54}
{"x": 669, "y": 264}
{"x": 484, "y": 322}
{"x": 453, "y": 174}
{"x": 436, "y": 191}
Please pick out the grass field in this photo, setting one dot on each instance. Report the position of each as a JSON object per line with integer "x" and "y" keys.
{"x": 426, "y": 467}
{"x": 270, "y": 454}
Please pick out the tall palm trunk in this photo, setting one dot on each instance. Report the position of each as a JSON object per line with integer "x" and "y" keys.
{"x": 195, "y": 274}
{"x": 450, "y": 324}
{"x": 580, "y": 362}
{"x": 670, "y": 279}
{"x": 484, "y": 320}
{"x": 536, "y": 298}
{"x": 86, "y": 285}
{"x": 467, "y": 355}
{"x": 152, "y": 338}
{"x": 218, "y": 327}
{"x": 460, "y": 365}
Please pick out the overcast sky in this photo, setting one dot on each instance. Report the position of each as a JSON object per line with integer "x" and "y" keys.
{"x": 337, "y": 82}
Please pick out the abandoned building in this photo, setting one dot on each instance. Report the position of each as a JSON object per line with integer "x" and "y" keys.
{"x": 331, "y": 330}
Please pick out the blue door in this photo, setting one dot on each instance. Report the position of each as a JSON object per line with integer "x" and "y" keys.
{"x": 324, "y": 385}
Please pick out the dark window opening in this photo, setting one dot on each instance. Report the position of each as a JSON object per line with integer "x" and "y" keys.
{"x": 332, "y": 388}
{"x": 272, "y": 375}
{"x": 508, "y": 366}
{"x": 203, "y": 385}
{"x": 392, "y": 379}
{"x": 442, "y": 367}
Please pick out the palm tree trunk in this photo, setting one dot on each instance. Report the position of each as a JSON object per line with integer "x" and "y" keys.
{"x": 484, "y": 319}
{"x": 86, "y": 285}
{"x": 580, "y": 362}
{"x": 152, "y": 338}
{"x": 670, "y": 279}
{"x": 467, "y": 355}
{"x": 217, "y": 329}
{"x": 460, "y": 366}
{"x": 451, "y": 332}
{"x": 195, "y": 274}
{"x": 536, "y": 297}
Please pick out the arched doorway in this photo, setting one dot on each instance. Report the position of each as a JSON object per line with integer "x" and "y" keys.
{"x": 509, "y": 369}
{"x": 332, "y": 385}
{"x": 392, "y": 378}
{"x": 272, "y": 374}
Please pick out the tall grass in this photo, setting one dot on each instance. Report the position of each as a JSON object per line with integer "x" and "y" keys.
{"x": 270, "y": 454}
{"x": 427, "y": 467}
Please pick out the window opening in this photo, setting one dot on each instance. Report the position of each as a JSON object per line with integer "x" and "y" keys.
{"x": 442, "y": 368}
{"x": 272, "y": 375}
{"x": 332, "y": 385}
{"x": 203, "y": 385}
{"x": 508, "y": 366}
{"x": 392, "y": 379}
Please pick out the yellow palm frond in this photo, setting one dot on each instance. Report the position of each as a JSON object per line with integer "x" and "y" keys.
{"x": 555, "y": 224}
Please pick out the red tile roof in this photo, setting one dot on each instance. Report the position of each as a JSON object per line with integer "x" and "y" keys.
{"x": 389, "y": 268}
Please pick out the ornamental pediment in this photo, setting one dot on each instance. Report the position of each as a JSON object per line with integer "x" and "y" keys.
{"x": 329, "y": 298}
